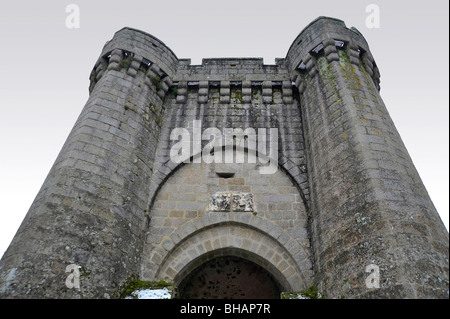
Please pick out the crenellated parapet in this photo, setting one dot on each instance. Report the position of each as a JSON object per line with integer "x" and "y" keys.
{"x": 247, "y": 75}
{"x": 135, "y": 51}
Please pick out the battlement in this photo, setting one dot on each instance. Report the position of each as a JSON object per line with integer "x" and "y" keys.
{"x": 232, "y": 69}
{"x": 137, "y": 50}
{"x": 232, "y": 61}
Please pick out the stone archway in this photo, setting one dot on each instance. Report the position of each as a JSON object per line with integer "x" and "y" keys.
{"x": 232, "y": 239}
{"x": 229, "y": 277}
{"x": 263, "y": 221}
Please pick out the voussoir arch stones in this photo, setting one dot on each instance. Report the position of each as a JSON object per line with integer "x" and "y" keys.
{"x": 243, "y": 235}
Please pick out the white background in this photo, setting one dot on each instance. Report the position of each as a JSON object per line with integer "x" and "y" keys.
{"x": 45, "y": 66}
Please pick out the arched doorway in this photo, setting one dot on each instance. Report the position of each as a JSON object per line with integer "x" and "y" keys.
{"x": 229, "y": 277}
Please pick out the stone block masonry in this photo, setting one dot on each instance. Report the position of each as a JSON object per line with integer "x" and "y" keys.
{"x": 345, "y": 196}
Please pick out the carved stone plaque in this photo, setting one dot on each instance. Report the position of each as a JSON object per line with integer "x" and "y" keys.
{"x": 243, "y": 202}
{"x": 219, "y": 202}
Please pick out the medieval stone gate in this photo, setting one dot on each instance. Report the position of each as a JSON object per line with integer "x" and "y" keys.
{"x": 188, "y": 228}
{"x": 339, "y": 191}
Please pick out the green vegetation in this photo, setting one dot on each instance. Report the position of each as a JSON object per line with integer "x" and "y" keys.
{"x": 133, "y": 284}
{"x": 310, "y": 293}
{"x": 125, "y": 63}
{"x": 157, "y": 82}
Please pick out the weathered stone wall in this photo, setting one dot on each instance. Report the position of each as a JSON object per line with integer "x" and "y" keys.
{"x": 345, "y": 194}
{"x": 368, "y": 204}
{"x": 234, "y": 104}
{"x": 90, "y": 210}
{"x": 188, "y": 222}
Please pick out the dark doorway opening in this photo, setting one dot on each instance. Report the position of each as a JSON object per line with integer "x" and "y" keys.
{"x": 229, "y": 277}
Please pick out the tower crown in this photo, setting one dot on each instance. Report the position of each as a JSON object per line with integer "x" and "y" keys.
{"x": 324, "y": 36}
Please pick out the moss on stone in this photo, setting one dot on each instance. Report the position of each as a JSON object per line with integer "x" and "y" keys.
{"x": 237, "y": 96}
{"x": 327, "y": 75}
{"x": 125, "y": 63}
{"x": 349, "y": 70}
{"x": 157, "y": 82}
{"x": 132, "y": 284}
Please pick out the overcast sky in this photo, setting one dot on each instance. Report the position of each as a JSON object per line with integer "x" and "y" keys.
{"x": 45, "y": 69}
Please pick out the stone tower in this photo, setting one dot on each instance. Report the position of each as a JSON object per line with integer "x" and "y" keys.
{"x": 344, "y": 198}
